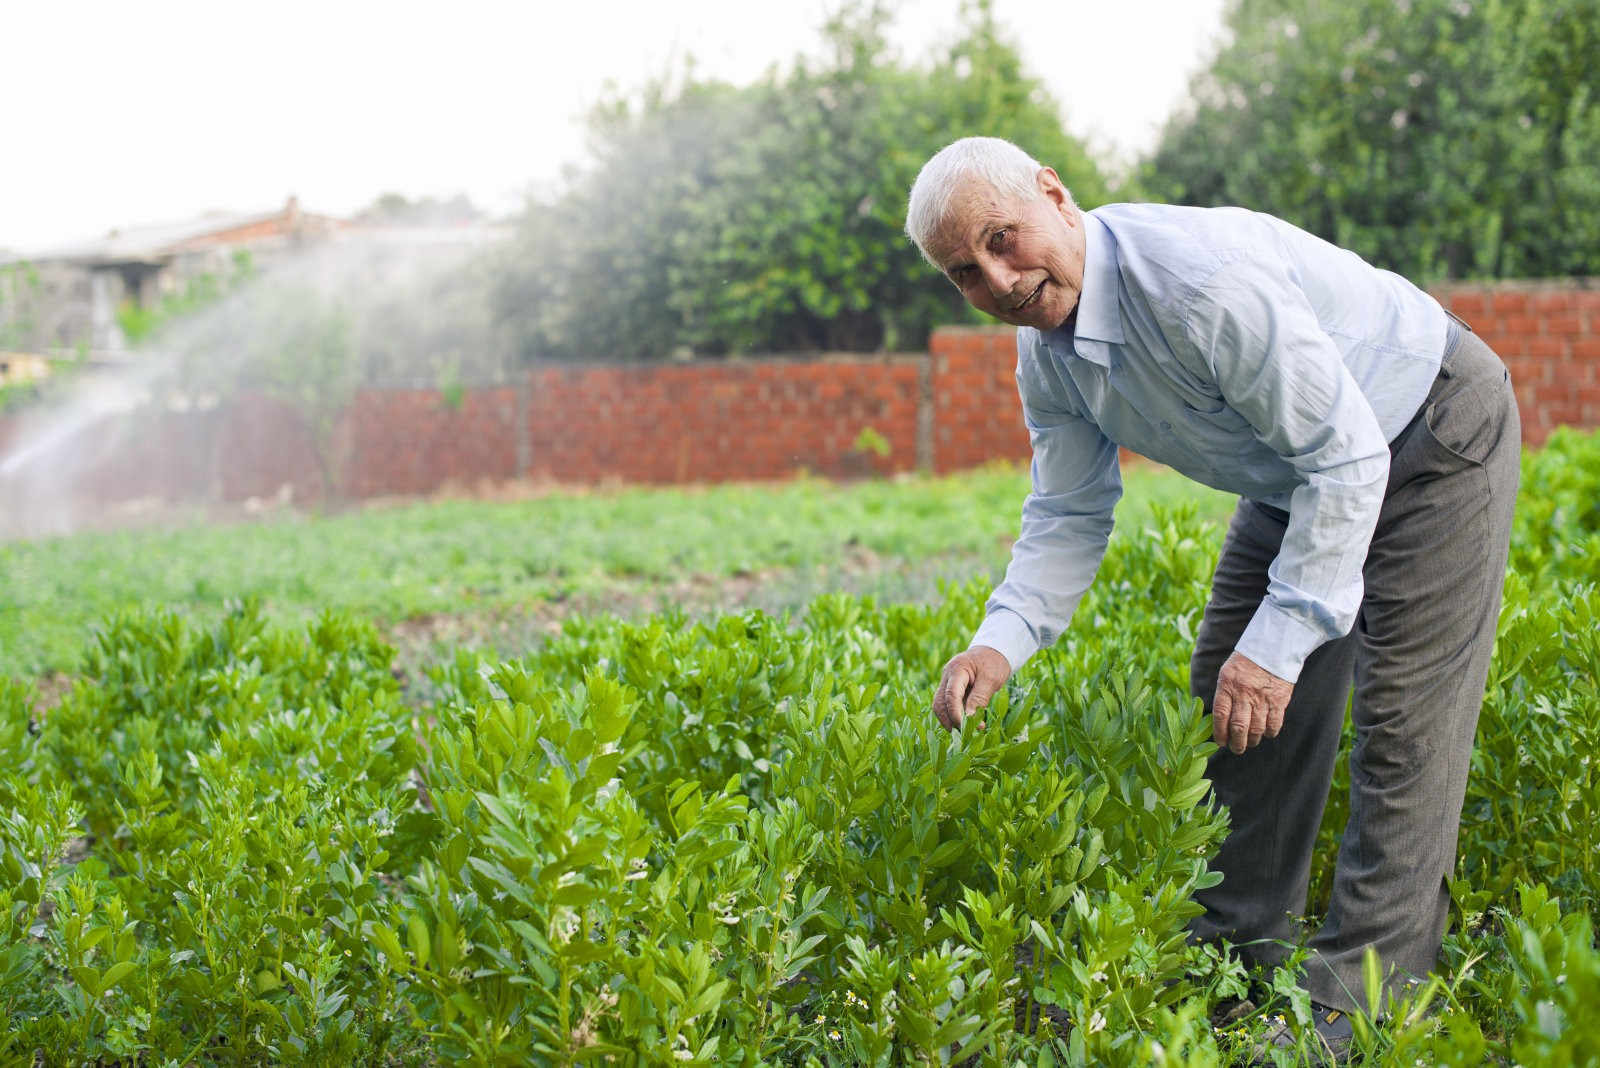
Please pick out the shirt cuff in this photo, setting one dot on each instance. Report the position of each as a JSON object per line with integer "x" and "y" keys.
{"x": 1278, "y": 641}
{"x": 1005, "y": 632}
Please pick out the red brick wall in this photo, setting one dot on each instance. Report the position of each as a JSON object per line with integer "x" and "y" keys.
{"x": 976, "y": 414}
{"x": 708, "y": 421}
{"x": 411, "y": 441}
{"x": 712, "y": 420}
{"x": 261, "y": 445}
{"x": 1548, "y": 333}
{"x": 715, "y": 421}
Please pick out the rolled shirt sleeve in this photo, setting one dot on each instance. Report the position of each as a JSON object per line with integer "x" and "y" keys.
{"x": 1261, "y": 341}
{"x": 1066, "y": 518}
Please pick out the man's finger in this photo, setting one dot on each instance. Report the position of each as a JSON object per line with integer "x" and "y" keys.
{"x": 1221, "y": 709}
{"x": 978, "y": 697}
{"x": 950, "y": 702}
{"x": 1239, "y": 729}
{"x": 1258, "y": 722}
{"x": 980, "y": 694}
{"x": 1275, "y": 720}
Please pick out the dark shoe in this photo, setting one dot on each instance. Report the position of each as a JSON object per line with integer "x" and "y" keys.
{"x": 1329, "y": 1038}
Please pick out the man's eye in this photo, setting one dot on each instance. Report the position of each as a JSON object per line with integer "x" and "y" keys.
{"x": 998, "y": 238}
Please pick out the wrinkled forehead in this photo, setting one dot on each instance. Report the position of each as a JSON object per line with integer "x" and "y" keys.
{"x": 974, "y": 206}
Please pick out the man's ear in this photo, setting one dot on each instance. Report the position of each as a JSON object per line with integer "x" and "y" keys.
{"x": 1051, "y": 185}
{"x": 1055, "y": 191}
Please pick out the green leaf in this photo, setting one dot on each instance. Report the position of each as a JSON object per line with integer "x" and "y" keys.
{"x": 417, "y": 938}
{"x": 115, "y": 974}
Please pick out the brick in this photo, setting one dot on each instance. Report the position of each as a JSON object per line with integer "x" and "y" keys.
{"x": 1522, "y": 325}
{"x": 1527, "y": 371}
{"x": 1586, "y": 348}
{"x": 1547, "y": 347}
{"x": 1565, "y": 413}
{"x": 1468, "y": 305}
{"x": 1509, "y": 303}
{"x": 1554, "y": 303}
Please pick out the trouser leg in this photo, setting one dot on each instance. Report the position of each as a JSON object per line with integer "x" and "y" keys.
{"x": 1276, "y": 791}
{"x": 1422, "y": 644}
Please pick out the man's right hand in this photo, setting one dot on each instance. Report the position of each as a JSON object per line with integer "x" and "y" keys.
{"x": 970, "y": 679}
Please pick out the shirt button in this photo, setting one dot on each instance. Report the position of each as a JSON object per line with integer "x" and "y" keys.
{"x": 1165, "y": 425}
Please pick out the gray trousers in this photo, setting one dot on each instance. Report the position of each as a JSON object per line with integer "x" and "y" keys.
{"x": 1418, "y": 658}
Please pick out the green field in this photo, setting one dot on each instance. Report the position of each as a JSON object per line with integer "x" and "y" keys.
{"x": 711, "y": 836}
{"x": 500, "y": 573}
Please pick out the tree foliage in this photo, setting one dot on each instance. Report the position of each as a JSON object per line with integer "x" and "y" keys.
{"x": 721, "y": 219}
{"x": 1439, "y": 138}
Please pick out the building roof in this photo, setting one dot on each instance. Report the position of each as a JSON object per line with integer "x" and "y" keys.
{"x": 155, "y": 243}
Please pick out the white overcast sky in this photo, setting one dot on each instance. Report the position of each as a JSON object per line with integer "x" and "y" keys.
{"x": 120, "y": 113}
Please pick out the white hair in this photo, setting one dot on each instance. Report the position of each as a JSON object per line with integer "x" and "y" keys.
{"x": 1000, "y": 164}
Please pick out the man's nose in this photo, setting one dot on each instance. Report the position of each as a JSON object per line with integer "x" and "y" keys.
{"x": 999, "y": 277}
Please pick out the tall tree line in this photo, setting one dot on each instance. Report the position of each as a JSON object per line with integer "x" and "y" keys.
{"x": 1437, "y": 138}
{"x": 719, "y": 219}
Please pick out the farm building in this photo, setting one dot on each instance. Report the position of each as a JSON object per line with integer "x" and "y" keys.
{"x": 67, "y": 299}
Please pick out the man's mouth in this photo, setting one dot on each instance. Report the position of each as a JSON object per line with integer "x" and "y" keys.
{"x": 1030, "y": 300}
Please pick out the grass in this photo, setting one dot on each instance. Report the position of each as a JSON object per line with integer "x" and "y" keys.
{"x": 509, "y": 567}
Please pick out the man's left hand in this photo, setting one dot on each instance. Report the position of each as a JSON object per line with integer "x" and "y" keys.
{"x": 1249, "y": 704}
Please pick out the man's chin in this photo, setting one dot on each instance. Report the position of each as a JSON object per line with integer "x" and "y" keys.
{"x": 1055, "y": 315}
{"x": 1043, "y": 316}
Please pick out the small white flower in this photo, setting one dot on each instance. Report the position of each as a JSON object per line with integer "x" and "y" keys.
{"x": 1097, "y": 976}
{"x": 1097, "y": 1022}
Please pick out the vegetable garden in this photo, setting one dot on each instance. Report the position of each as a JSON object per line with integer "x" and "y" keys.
{"x": 239, "y": 838}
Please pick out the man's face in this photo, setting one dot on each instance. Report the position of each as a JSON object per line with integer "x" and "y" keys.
{"x": 1019, "y": 260}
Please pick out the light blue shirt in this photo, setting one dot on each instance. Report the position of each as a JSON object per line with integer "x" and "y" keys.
{"x": 1245, "y": 353}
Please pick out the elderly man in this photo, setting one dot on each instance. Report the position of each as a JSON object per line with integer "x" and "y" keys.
{"x": 1374, "y": 443}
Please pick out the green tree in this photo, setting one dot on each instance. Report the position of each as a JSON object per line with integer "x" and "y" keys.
{"x": 719, "y": 219}
{"x": 1439, "y": 138}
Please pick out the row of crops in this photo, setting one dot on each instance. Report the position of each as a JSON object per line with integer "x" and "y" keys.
{"x": 743, "y": 840}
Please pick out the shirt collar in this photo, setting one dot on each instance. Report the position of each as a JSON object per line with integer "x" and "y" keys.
{"x": 1099, "y": 315}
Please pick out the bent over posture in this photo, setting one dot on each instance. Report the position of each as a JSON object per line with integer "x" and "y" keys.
{"x": 1374, "y": 444}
